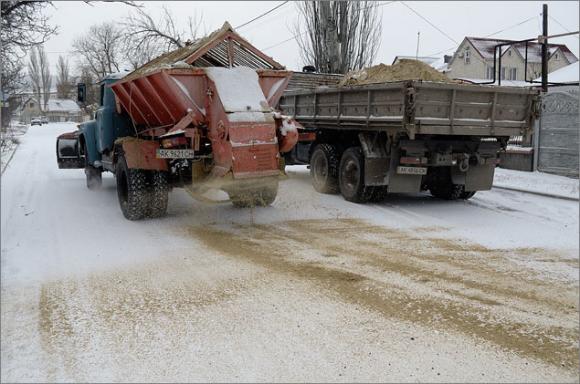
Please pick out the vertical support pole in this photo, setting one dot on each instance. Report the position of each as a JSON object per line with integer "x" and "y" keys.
{"x": 230, "y": 52}
{"x": 499, "y": 64}
{"x": 545, "y": 48}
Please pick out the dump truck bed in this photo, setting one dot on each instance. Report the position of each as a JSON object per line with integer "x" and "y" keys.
{"x": 417, "y": 107}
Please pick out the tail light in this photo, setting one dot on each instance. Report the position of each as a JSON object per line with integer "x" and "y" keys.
{"x": 174, "y": 142}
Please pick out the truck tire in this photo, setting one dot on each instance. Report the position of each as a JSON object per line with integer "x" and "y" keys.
{"x": 132, "y": 190}
{"x": 94, "y": 176}
{"x": 351, "y": 177}
{"x": 467, "y": 195}
{"x": 159, "y": 193}
{"x": 324, "y": 169}
{"x": 379, "y": 193}
{"x": 447, "y": 191}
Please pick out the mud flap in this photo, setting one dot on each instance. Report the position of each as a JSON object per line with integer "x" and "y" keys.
{"x": 68, "y": 151}
{"x": 376, "y": 159}
{"x": 479, "y": 178}
{"x": 402, "y": 183}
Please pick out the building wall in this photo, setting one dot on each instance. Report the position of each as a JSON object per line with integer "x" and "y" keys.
{"x": 476, "y": 69}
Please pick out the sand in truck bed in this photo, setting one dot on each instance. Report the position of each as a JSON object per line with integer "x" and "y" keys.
{"x": 405, "y": 69}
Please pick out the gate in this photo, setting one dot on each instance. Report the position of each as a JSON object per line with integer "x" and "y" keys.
{"x": 557, "y": 135}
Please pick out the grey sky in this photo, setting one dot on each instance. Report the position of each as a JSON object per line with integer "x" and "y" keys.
{"x": 399, "y": 33}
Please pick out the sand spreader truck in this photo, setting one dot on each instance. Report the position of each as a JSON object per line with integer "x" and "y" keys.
{"x": 199, "y": 117}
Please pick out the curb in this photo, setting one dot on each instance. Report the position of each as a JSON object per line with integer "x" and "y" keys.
{"x": 537, "y": 193}
{"x": 9, "y": 159}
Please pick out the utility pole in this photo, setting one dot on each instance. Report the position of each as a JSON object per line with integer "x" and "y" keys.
{"x": 417, "y": 51}
{"x": 545, "y": 48}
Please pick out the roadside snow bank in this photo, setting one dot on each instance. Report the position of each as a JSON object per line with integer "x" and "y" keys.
{"x": 537, "y": 182}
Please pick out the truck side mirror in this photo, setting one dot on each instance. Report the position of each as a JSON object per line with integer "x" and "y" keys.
{"x": 81, "y": 92}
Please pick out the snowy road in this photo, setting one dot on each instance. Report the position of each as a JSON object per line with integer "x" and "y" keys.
{"x": 311, "y": 289}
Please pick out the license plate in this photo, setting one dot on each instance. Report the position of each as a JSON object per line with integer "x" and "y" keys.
{"x": 411, "y": 170}
{"x": 175, "y": 153}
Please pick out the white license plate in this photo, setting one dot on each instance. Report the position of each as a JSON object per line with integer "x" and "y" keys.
{"x": 175, "y": 153}
{"x": 411, "y": 170}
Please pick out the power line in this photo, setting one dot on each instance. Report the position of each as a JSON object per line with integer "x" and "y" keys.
{"x": 430, "y": 23}
{"x": 303, "y": 33}
{"x": 561, "y": 25}
{"x": 490, "y": 35}
{"x": 262, "y": 15}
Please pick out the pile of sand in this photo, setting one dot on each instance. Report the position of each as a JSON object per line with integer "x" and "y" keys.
{"x": 404, "y": 70}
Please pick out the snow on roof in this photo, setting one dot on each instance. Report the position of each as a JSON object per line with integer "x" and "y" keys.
{"x": 212, "y": 51}
{"x": 62, "y": 105}
{"x": 567, "y": 74}
{"x": 486, "y": 47}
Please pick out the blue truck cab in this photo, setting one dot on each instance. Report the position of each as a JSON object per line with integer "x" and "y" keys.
{"x": 91, "y": 146}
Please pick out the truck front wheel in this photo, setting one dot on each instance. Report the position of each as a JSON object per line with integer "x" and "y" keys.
{"x": 132, "y": 190}
{"x": 351, "y": 177}
{"x": 324, "y": 169}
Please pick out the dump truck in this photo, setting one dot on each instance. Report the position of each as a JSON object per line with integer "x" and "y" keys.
{"x": 200, "y": 117}
{"x": 365, "y": 141}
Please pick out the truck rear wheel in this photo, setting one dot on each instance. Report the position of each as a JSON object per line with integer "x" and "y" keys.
{"x": 442, "y": 187}
{"x": 132, "y": 190}
{"x": 351, "y": 177}
{"x": 324, "y": 169}
{"x": 159, "y": 193}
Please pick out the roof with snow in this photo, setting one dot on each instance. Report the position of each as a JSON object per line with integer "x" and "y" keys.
{"x": 217, "y": 49}
{"x": 62, "y": 105}
{"x": 485, "y": 47}
{"x": 567, "y": 74}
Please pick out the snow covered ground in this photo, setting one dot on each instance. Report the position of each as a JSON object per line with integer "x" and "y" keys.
{"x": 312, "y": 288}
{"x": 537, "y": 182}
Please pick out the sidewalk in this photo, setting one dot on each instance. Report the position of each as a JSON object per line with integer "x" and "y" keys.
{"x": 537, "y": 182}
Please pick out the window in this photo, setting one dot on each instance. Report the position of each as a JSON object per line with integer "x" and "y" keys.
{"x": 31, "y": 105}
{"x": 489, "y": 73}
{"x": 467, "y": 57}
{"x": 513, "y": 74}
{"x": 556, "y": 56}
{"x": 102, "y": 93}
{"x": 503, "y": 73}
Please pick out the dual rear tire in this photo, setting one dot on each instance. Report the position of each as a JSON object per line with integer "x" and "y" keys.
{"x": 330, "y": 175}
{"x": 142, "y": 194}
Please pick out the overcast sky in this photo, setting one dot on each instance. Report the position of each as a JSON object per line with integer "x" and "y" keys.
{"x": 399, "y": 31}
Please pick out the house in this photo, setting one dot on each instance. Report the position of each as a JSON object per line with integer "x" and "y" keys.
{"x": 57, "y": 110}
{"x": 60, "y": 110}
{"x": 440, "y": 64}
{"x": 474, "y": 59}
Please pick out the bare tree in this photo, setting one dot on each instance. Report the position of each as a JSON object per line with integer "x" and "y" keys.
{"x": 64, "y": 84}
{"x": 39, "y": 74}
{"x": 45, "y": 76}
{"x": 35, "y": 75}
{"x": 23, "y": 26}
{"x": 101, "y": 48}
{"x": 340, "y": 35}
{"x": 147, "y": 38}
